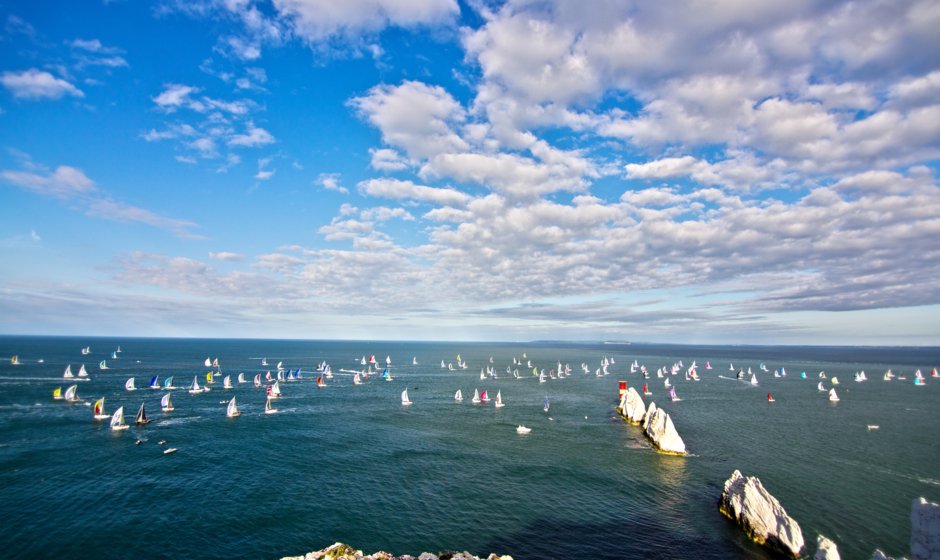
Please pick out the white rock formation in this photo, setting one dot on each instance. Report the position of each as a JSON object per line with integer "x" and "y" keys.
{"x": 925, "y": 530}
{"x": 632, "y": 407}
{"x": 661, "y": 431}
{"x": 878, "y": 555}
{"x": 649, "y": 414}
{"x": 340, "y": 551}
{"x": 763, "y": 518}
{"x": 826, "y": 549}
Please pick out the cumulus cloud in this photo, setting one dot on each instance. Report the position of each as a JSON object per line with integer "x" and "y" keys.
{"x": 226, "y": 256}
{"x": 330, "y": 181}
{"x": 396, "y": 189}
{"x": 319, "y": 20}
{"x": 38, "y": 84}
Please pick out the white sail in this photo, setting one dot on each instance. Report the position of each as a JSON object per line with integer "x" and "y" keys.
{"x": 232, "y": 410}
{"x": 241, "y": 378}
{"x": 227, "y": 382}
{"x": 82, "y": 372}
{"x": 275, "y": 390}
{"x": 754, "y": 379}
{"x": 269, "y": 408}
{"x": 166, "y": 403}
{"x": 404, "y": 398}
{"x": 117, "y": 420}
{"x": 820, "y": 387}
{"x": 68, "y": 372}
{"x": 356, "y": 379}
{"x": 195, "y": 389}
{"x": 833, "y": 396}
{"x": 70, "y": 393}
{"x": 129, "y": 385}
{"x": 458, "y": 396}
{"x": 499, "y": 399}
{"x": 208, "y": 362}
{"x": 476, "y": 396}
{"x": 414, "y": 361}
{"x": 102, "y": 365}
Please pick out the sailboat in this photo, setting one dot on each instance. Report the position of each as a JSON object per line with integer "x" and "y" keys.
{"x": 820, "y": 387}
{"x": 754, "y": 380}
{"x": 155, "y": 382}
{"x": 386, "y": 374}
{"x": 141, "y": 416}
{"x": 833, "y": 397}
{"x": 208, "y": 362}
{"x": 646, "y": 391}
{"x": 117, "y": 420}
{"x": 129, "y": 385}
{"x": 320, "y": 382}
{"x": 241, "y": 378}
{"x": 268, "y": 407}
{"x": 275, "y": 390}
{"x": 672, "y": 394}
{"x": 195, "y": 389}
{"x": 484, "y": 397}
{"x": 166, "y": 404}
{"x": 458, "y": 396}
{"x": 15, "y": 360}
{"x": 57, "y": 393}
{"x": 770, "y": 398}
{"x": 476, "y": 396}
{"x": 71, "y": 394}
{"x": 103, "y": 365}
{"x": 404, "y": 398}
{"x": 545, "y": 404}
{"x": 834, "y": 380}
{"x": 264, "y": 362}
{"x": 356, "y": 379}
{"x": 499, "y": 399}
{"x": 414, "y": 361}
{"x": 209, "y": 378}
{"x": 257, "y": 381}
{"x": 114, "y": 355}
{"x": 98, "y": 410}
{"x": 919, "y": 381}
{"x": 119, "y": 349}
{"x": 227, "y": 382}
{"x": 67, "y": 374}
{"x": 82, "y": 372}
{"x": 86, "y": 350}
{"x": 232, "y": 410}
{"x": 168, "y": 383}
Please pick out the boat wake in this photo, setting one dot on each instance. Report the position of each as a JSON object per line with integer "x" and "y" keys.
{"x": 176, "y": 421}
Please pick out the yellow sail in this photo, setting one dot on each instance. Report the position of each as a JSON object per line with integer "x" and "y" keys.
{"x": 57, "y": 393}
{"x": 208, "y": 377}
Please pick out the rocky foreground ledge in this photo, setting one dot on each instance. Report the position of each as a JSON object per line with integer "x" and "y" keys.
{"x": 340, "y": 551}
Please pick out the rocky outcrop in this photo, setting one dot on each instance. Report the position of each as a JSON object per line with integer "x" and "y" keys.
{"x": 925, "y": 530}
{"x": 878, "y": 555}
{"x": 632, "y": 407}
{"x": 745, "y": 501}
{"x": 826, "y": 549}
{"x": 340, "y": 551}
{"x": 661, "y": 432}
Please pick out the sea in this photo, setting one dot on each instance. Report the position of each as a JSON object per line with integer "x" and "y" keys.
{"x": 350, "y": 463}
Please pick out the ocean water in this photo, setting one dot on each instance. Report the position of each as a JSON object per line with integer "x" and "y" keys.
{"x": 350, "y": 463}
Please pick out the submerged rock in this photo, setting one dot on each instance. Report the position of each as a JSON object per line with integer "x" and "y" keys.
{"x": 662, "y": 432}
{"x": 341, "y": 551}
{"x": 745, "y": 501}
{"x": 826, "y": 549}
{"x": 632, "y": 407}
{"x": 925, "y": 529}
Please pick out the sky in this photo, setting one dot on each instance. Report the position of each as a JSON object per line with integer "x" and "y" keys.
{"x": 707, "y": 171}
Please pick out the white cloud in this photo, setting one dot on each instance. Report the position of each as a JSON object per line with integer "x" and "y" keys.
{"x": 384, "y": 159}
{"x": 396, "y": 189}
{"x": 415, "y": 117}
{"x": 253, "y": 137}
{"x": 37, "y": 84}
{"x": 330, "y": 181}
{"x": 226, "y": 256}
{"x": 174, "y": 96}
{"x": 64, "y": 183}
{"x": 318, "y": 20}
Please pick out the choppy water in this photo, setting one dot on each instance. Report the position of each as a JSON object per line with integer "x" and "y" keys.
{"x": 349, "y": 463}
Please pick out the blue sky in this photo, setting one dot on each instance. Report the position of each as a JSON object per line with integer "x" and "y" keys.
{"x": 694, "y": 172}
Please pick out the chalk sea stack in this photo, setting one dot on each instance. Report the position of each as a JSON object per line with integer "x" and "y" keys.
{"x": 750, "y": 505}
